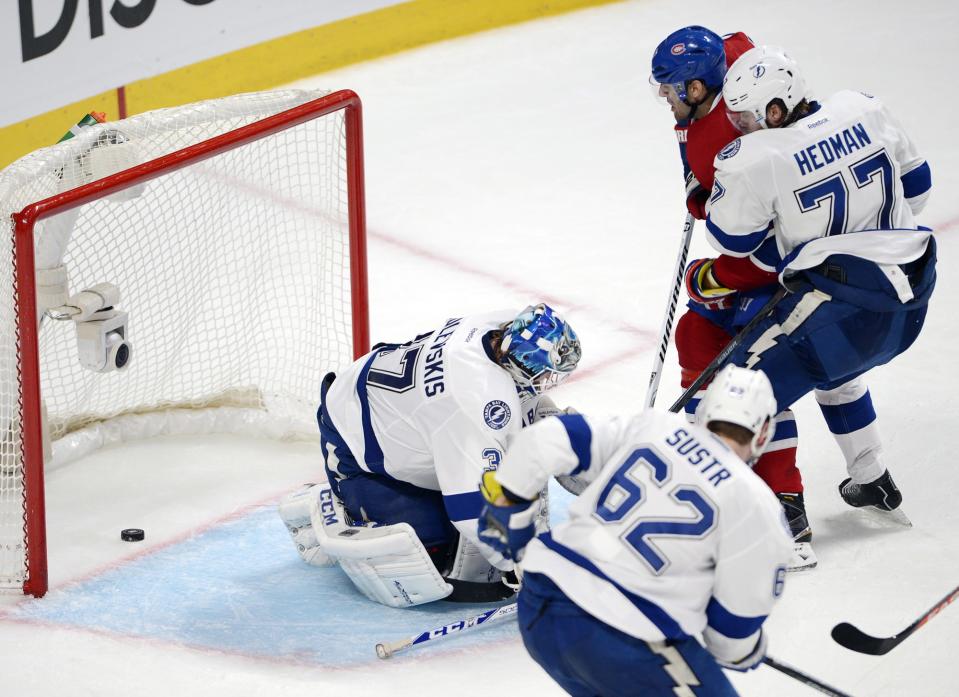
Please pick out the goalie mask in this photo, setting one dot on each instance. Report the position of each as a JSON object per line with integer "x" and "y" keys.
{"x": 539, "y": 349}
{"x": 745, "y": 398}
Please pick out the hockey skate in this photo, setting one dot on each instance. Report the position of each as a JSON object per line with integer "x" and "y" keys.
{"x": 803, "y": 556}
{"x": 880, "y": 495}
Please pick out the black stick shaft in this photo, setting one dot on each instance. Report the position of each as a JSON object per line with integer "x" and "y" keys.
{"x": 803, "y": 678}
{"x": 734, "y": 344}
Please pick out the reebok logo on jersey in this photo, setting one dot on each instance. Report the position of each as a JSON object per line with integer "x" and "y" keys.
{"x": 496, "y": 414}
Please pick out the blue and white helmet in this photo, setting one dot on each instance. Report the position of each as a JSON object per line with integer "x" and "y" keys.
{"x": 540, "y": 350}
{"x": 745, "y": 398}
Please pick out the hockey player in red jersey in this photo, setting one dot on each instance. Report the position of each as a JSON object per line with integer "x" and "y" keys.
{"x": 688, "y": 68}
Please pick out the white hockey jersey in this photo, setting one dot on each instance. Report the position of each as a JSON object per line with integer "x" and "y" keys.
{"x": 674, "y": 536}
{"x": 846, "y": 168}
{"x": 434, "y": 412}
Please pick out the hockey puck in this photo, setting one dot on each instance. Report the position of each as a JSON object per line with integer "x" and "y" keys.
{"x": 132, "y": 535}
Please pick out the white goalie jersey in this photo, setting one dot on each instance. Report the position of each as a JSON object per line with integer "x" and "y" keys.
{"x": 848, "y": 167}
{"x": 434, "y": 412}
{"x": 674, "y": 536}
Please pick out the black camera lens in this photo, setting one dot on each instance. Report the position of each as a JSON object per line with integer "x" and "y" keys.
{"x": 123, "y": 355}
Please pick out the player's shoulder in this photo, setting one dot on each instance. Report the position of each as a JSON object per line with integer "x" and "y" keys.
{"x": 746, "y": 152}
{"x": 735, "y": 45}
{"x": 852, "y": 99}
{"x": 478, "y": 386}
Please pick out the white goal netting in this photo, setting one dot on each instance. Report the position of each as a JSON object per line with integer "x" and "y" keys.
{"x": 235, "y": 272}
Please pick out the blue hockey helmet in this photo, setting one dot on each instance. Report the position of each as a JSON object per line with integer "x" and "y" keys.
{"x": 539, "y": 349}
{"x": 690, "y": 53}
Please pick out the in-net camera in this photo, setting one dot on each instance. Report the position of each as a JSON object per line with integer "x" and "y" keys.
{"x": 101, "y": 328}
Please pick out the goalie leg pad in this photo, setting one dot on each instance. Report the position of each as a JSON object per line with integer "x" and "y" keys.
{"x": 388, "y": 565}
{"x": 295, "y": 511}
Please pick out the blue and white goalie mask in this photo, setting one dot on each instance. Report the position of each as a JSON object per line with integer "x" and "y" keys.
{"x": 539, "y": 349}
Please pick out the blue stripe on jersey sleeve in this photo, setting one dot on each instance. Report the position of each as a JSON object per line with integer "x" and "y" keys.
{"x": 653, "y": 612}
{"x": 463, "y": 506}
{"x": 730, "y": 625}
{"x": 372, "y": 452}
{"x": 767, "y": 255}
{"x": 580, "y": 439}
{"x": 741, "y": 244}
{"x": 846, "y": 418}
{"x": 917, "y": 181}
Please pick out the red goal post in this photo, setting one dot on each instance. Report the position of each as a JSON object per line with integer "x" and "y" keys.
{"x": 237, "y": 241}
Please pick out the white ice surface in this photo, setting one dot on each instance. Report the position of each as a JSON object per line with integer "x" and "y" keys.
{"x": 531, "y": 163}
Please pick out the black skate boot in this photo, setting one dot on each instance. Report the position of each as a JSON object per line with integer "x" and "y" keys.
{"x": 881, "y": 493}
{"x": 795, "y": 510}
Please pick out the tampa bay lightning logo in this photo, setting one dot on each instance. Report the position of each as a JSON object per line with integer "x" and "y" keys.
{"x": 759, "y": 70}
{"x": 496, "y": 414}
{"x": 730, "y": 149}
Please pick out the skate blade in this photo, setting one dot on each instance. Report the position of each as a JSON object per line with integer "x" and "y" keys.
{"x": 895, "y": 516}
{"x": 803, "y": 558}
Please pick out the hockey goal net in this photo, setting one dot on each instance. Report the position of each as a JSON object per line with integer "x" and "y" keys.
{"x": 234, "y": 232}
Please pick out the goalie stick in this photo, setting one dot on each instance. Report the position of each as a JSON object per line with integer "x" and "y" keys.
{"x": 855, "y": 639}
{"x": 388, "y": 648}
{"x": 803, "y": 678}
{"x": 733, "y": 344}
{"x": 667, "y": 328}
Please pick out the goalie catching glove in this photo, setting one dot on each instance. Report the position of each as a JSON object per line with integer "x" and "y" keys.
{"x": 703, "y": 288}
{"x": 506, "y": 523}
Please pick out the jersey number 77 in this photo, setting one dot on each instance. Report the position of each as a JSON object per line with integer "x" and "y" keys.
{"x": 834, "y": 190}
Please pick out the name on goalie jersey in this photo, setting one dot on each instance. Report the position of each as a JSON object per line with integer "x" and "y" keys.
{"x": 433, "y": 370}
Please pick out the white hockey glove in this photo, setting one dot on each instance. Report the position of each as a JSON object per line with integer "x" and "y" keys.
{"x": 747, "y": 662}
{"x": 545, "y": 408}
{"x": 294, "y": 509}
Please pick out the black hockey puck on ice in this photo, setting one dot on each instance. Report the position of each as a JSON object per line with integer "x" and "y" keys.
{"x": 131, "y": 535}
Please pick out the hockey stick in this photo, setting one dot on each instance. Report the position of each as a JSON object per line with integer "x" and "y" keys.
{"x": 803, "y": 678}
{"x": 733, "y": 344}
{"x": 388, "y": 648}
{"x": 856, "y": 640}
{"x": 667, "y": 327}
